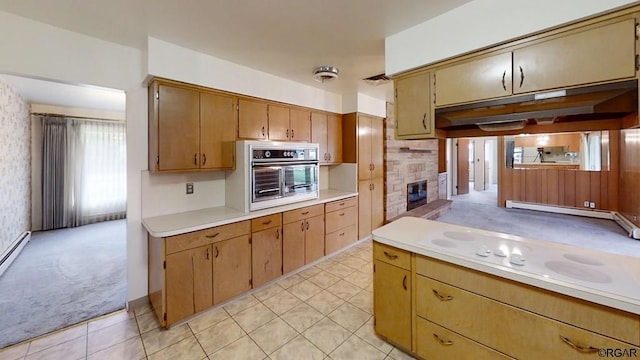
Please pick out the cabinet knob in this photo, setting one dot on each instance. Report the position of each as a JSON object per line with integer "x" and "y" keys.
{"x": 217, "y": 252}
{"x": 287, "y": 133}
{"x": 307, "y": 224}
{"x": 277, "y": 233}
{"x": 302, "y": 226}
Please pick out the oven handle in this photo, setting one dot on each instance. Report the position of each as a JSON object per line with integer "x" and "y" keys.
{"x": 268, "y": 190}
{"x": 261, "y": 163}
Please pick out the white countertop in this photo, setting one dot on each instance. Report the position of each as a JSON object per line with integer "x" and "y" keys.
{"x": 603, "y": 278}
{"x": 180, "y": 223}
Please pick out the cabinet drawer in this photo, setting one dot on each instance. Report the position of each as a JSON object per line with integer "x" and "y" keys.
{"x": 615, "y": 323}
{"x": 266, "y": 222}
{"x": 487, "y": 321}
{"x": 434, "y": 342}
{"x": 337, "y": 220}
{"x": 341, "y": 204}
{"x": 302, "y": 213}
{"x": 392, "y": 255}
{"x": 339, "y": 239}
{"x": 207, "y": 236}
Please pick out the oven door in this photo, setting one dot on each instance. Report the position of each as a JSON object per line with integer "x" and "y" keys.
{"x": 300, "y": 179}
{"x": 266, "y": 182}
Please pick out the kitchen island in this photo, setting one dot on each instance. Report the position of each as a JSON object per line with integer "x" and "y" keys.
{"x": 444, "y": 291}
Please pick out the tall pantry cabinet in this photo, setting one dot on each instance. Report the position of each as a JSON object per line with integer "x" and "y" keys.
{"x": 363, "y": 144}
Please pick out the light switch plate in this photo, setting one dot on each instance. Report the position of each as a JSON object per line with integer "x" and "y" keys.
{"x": 189, "y": 188}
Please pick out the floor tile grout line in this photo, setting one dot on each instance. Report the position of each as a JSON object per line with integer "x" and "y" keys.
{"x": 144, "y": 348}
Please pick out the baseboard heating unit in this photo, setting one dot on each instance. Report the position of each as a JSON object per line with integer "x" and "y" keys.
{"x": 12, "y": 252}
{"x": 631, "y": 228}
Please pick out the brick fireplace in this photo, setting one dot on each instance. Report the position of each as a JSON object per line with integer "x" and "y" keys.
{"x": 404, "y": 167}
{"x": 416, "y": 194}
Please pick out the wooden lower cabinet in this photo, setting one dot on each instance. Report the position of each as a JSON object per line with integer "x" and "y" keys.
{"x": 303, "y": 237}
{"x": 314, "y": 239}
{"x": 292, "y": 246}
{"x": 434, "y": 342}
{"x": 461, "y": 313}
{"x": 370, "y": 206}
{"x": 392, "y": 303}
{"x": 231, "y": 268}
{"x": 189, "y": 282}
{"x": 266, "y": 255}
{"x": 341, "y": 226}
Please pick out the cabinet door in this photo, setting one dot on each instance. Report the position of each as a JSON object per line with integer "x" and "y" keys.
{"x": 392, "y": 303}
{"x": 231, "y": 268}
{"x": 266, "y": 255}
{"x": 334, "y": 138}
{"x": 300, "y": 129}
{"x": 377, "y": 203}
{"x": 189, "y": 282}
{"x": 414, "y": 113}
{"x": 178, "y": 128}
{"x": 480, "y": 79}
{"x": 279, "y": 123}
{"x": 599, "y": 54}
{"x": 319, "y": 135}
{"x": 293, "y": 246}
{"x": 217, "y": 131}
{"x": 314, "y": 239}
{"x": 364, "y": 208}
{"x": 364, "y": 147}
{"x": 377, "y": 147}
{"x": 252, "y": 120}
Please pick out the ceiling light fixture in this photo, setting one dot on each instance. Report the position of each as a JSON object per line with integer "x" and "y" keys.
{"x": 325, "y": 73}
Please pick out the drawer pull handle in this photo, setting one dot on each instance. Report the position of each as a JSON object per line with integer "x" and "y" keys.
{"x": 580, "y": 348}
{"x": 442, "y": 341}
{"x": 404, "y": 282}
{"x": 212, "y": 236}
{"x": 305, "y": 213}
{"x": 442, "y": 297}
{"x": 341, "y": 204}
{"x": 341, "y": 214}
{"x": 341, "y": 234}
{"x": 217, "y": 252}
{"x": 266, "y": 222}
{"x": 390, "y": 256}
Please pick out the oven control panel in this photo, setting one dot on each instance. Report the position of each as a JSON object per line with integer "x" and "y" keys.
{"x": 284, "y": 154}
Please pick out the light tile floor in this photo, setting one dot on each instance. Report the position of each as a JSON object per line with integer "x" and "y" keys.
{"x": 323, "y": 312}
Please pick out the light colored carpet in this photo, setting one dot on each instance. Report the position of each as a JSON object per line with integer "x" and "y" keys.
{"x": 585, "y": 232}
{"x": 63, "y": 277}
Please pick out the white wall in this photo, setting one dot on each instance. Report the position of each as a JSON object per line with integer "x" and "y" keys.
{"x": 357, "y": 102}
{"x": 178, "y": 63}
{"x": 481, "y": 23}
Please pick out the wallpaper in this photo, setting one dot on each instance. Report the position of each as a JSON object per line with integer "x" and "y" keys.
{"x": 15, "y": 166}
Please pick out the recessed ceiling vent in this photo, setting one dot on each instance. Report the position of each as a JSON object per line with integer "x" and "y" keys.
{"x": 325, "y": 73}
{"x": 376, "y": 80}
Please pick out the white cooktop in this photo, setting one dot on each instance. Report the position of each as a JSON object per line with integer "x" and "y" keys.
{"x": 604, "y": 278}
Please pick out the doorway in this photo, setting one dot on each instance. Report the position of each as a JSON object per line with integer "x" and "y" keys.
{"x": 78, "y": 271}
{"x": 476, "y": 169}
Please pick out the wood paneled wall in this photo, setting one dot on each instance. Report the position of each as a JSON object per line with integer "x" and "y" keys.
{"x": 560, "y": 187}
{"x": 630, "y": 175}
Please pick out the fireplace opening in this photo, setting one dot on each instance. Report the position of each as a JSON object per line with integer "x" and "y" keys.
{"x": 416, "y": 194}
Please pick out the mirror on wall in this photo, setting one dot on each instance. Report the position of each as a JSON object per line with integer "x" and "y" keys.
{"x": 588, "y": 151}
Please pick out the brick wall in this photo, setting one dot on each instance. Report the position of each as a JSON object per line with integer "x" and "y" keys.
{"x": 403, "y": 167}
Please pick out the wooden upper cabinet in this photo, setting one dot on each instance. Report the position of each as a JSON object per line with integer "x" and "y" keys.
{"x": 603, "y": 52}
{"x": 479, "y": 79}
{"x": 300, "y": 125}
{"x": 414, "y": 110}
{"x": 178, "y": 128}
{"x": 278, "y": 123}
{"x": 217, "y": 131}
{"x": 326, "y": 130}
{"x": 334, "y": 138}
{"x": 253, "y": 120}
{"x": 377, "y": 148}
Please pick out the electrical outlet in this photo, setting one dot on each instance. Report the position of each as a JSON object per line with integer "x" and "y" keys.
{"x": 586, "y": 203}
{"x": 189, "y": 188}
{"x": 592, "y": 205}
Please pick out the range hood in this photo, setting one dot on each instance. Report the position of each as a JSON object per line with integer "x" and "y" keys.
{"x": 609, "y": 101}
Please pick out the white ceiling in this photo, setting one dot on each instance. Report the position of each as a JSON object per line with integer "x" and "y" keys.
{"x": 286, "y": 38}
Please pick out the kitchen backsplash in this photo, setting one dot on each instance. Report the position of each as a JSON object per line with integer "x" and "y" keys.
{"x": 15, "y": 165}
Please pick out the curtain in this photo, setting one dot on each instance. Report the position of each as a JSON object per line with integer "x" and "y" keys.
{"x": 94, "y": 173}
{"x": 54, "y": 140}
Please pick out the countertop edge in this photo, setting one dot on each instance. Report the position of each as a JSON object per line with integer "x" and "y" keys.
{"x": 591, "y": 295}
{"x": 226, "y": 215}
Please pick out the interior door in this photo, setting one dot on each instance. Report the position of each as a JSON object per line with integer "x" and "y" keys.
{"x": 478, "y": 169}
{"x": 463, "y": 166}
